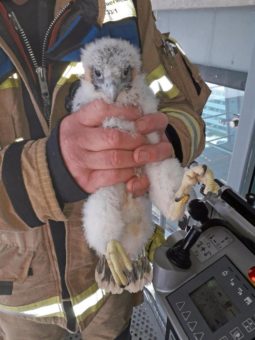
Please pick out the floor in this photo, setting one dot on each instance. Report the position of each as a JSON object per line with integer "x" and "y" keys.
{"x": 146, "y": 323}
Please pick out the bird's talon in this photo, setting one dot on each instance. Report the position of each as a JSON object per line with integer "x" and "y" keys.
{"x": 204, "y": 166}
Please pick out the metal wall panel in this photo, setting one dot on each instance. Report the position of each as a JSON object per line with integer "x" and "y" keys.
{"x": 222, "y": 37}
{"x": 188, "y": 4}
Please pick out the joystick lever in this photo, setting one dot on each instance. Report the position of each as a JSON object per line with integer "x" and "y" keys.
{"x": 179, "y": 254}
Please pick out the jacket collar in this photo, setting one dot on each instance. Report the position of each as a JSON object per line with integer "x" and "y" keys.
{"x": 99, "y": 3}
{"x": 82, "y": 15}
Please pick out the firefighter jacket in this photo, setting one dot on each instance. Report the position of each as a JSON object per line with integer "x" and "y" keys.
{"x": 46, "y": 267}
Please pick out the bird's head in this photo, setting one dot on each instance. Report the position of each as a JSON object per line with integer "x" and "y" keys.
{"x": 111, "y": 66}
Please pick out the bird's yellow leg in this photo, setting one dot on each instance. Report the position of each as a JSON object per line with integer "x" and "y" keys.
{"x": 114, "y": 274}
{"x": 176, "y": 209}
{"x": 208, "y": 180}
{"x": 118, "y": 261}
{"x": 124, "y": 256}
{"x": 197, "y": 174}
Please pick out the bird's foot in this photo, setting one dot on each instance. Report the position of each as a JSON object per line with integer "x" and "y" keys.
{"x": 140, "y": 276}
{"x": 118, "y": 262}
{"x": 104, "y": 278}
{"x": 136, "y": 278}
{"x": 112, "y": 269}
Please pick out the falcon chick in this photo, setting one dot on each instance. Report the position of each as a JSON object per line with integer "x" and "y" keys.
{"x": 117, "y": 225}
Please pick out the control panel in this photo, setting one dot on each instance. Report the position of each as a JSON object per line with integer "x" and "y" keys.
{"x": 213, "y": 299}
{"x": 211, "y": 243}
{"x": 217, "y": 304}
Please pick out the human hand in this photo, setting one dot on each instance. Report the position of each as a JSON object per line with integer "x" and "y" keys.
{"x": 98, "y": 157}
{"x": 147, "y": 153}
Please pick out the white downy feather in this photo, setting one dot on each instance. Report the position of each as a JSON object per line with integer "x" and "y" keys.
{"x": 110, "y": 213}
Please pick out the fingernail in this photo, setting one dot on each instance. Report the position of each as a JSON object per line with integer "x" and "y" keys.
{"x": 135, "y": 186}
{"x": 143, "y": 156}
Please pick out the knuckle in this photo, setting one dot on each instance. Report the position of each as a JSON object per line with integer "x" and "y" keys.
{"x": 154, "y": 154}
{"x": 164, "y": 118}
{"x": 115, "y": 159}
{"x": 99, "y": 105}
{"x": 80, "y": 164}
{"x": 113, "y": 137}
{"x": 79, "y": 159}
{"x": 93, "y": 182}
{"x": 89, "y": 186}
{"x": 161, "y": 151}
{"x": 78, "y": 141}
{"x": 115, "y": 176}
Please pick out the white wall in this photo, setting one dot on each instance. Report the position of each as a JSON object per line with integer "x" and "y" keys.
{"x": 219, "y": 37}
{"x": 224, "y": 38}
{"x": 180, "y": 4}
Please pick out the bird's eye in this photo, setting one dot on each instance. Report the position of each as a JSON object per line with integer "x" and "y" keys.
{"x": 126, "y": 71}
{"x": 98, "y": 74}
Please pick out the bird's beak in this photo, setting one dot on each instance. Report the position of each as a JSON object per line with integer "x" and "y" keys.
{"x": 113, "y": 93}
{"x": 112, "y": 90}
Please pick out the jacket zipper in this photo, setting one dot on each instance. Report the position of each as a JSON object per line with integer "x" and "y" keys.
{"x": 41, "y": 70}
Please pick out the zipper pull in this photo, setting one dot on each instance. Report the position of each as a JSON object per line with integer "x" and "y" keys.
{"x": 41, "y": 73}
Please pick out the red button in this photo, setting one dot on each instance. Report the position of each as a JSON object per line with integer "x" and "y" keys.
{"x": 251, "y": 274}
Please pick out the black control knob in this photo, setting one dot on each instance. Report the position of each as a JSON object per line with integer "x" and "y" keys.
{"x": 198, "y": 210}
{"x": 250, "y": 198}
{"x": 180, "y": 253}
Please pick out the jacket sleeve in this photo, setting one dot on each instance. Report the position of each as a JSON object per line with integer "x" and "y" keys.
{"x": 27, "y": 196}
{"x": 66, "y": 188}
{"x": 186, "y": 130}
{"x": 35, "y": 183}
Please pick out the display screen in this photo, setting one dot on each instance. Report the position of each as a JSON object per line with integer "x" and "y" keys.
{"x": 214, "y": 305}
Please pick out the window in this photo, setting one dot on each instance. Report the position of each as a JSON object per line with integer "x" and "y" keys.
{"x": 221, "y": 115}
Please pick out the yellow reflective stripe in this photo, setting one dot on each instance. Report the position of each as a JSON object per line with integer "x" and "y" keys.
{"x": 116, "y": 10}
{"x": 88, "y": 302}
{"x": 189, "y": 127}
{"x": 91, "y": 290}
{"x": 49, "y": 307}
{"x": 10, "y": 82}
{"x": 159, "y": 82}
{"x": 84, "y": 304}
{"x": 92, "y": 309}
{"x": 73, "y": 69}
{"x": 192, "y": 126}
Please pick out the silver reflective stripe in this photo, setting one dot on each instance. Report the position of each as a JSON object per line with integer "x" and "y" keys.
{"x": 118, "y": 9}
{"x": 180, "y": 48}
{"x": 88, "y": 302}
{"x": 161, "y": 84}
{"x": 46, "y": 308}
{"x": 19, "y": 139}
{"x": 45, "y": 311}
